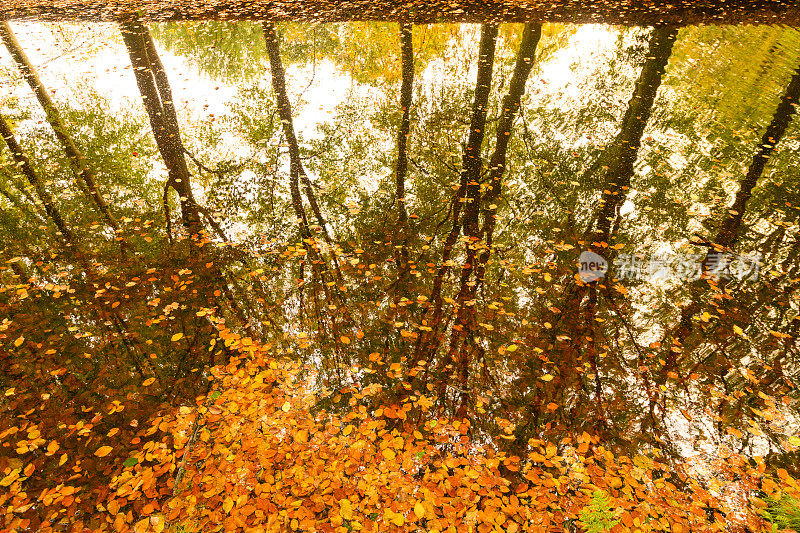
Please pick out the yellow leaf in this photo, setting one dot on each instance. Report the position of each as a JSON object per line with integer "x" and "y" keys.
{"x": 397, "y": 519}
{"x": 157, "y": 523}
{"x": 550, "y": 450}
{"x": 141, "y": 526}
{"x": 349, "y": 429}
{"x": 346, "y": 509}
{"x": 177, "y": 337}
{"x": 52, "y": 447}
{"x": 19, "y": 340}
{"x": 419, "y": 510}
{"x": 148, "y": 382}
{"x": 286, "y": 406}
{"x": 103, "y": 451}
{"x": 738, "y": 330}
{"x": 388, "y": 454}
{"x": 794, "y": 441}
{"x": 63, "y": 459}
{"x": 547, "y": 377}
{"x": 345, "y": 340}
{"x": 227, "y": 505}
{"x": 9, "y": 479}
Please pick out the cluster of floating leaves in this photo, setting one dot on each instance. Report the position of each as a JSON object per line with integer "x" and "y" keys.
{"x": 250, "y": 455}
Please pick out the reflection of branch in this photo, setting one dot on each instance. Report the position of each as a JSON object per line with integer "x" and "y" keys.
{"x": 445, "y": 163}
{"x": 214, "y": 223}
{"x": 187, "y": 450}
{"x": 701, "y": 242}
{"x": 167, "y": 215}
{"x": 313, "y": 70}
{"x": 201, "y": 166}
{"x": 418, "y": 166}
{"x": 589, "y": 172}
{"x": 449, "y": 206}
{"x": 66, "y": 52}
{"x": 640, "y": 355}
{"x": 525, "y": 137}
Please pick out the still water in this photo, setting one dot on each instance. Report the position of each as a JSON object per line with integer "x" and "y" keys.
{"x": 544, "y": 229}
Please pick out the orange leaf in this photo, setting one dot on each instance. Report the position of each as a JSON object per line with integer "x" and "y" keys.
{"x": 103, "y": 451}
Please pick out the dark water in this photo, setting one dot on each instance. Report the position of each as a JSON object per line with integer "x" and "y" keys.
{"x": 636, "y": 12}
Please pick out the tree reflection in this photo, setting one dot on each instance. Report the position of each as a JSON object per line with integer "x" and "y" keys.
{"x": 407, "y": 261}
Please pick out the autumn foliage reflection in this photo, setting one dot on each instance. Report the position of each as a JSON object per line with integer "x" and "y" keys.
{"x": 419, "y": 357}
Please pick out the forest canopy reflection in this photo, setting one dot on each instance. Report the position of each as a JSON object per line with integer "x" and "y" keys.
{"x": 389, "y": 277}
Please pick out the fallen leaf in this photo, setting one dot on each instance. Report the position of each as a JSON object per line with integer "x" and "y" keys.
{"x": 103, "y": 451}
